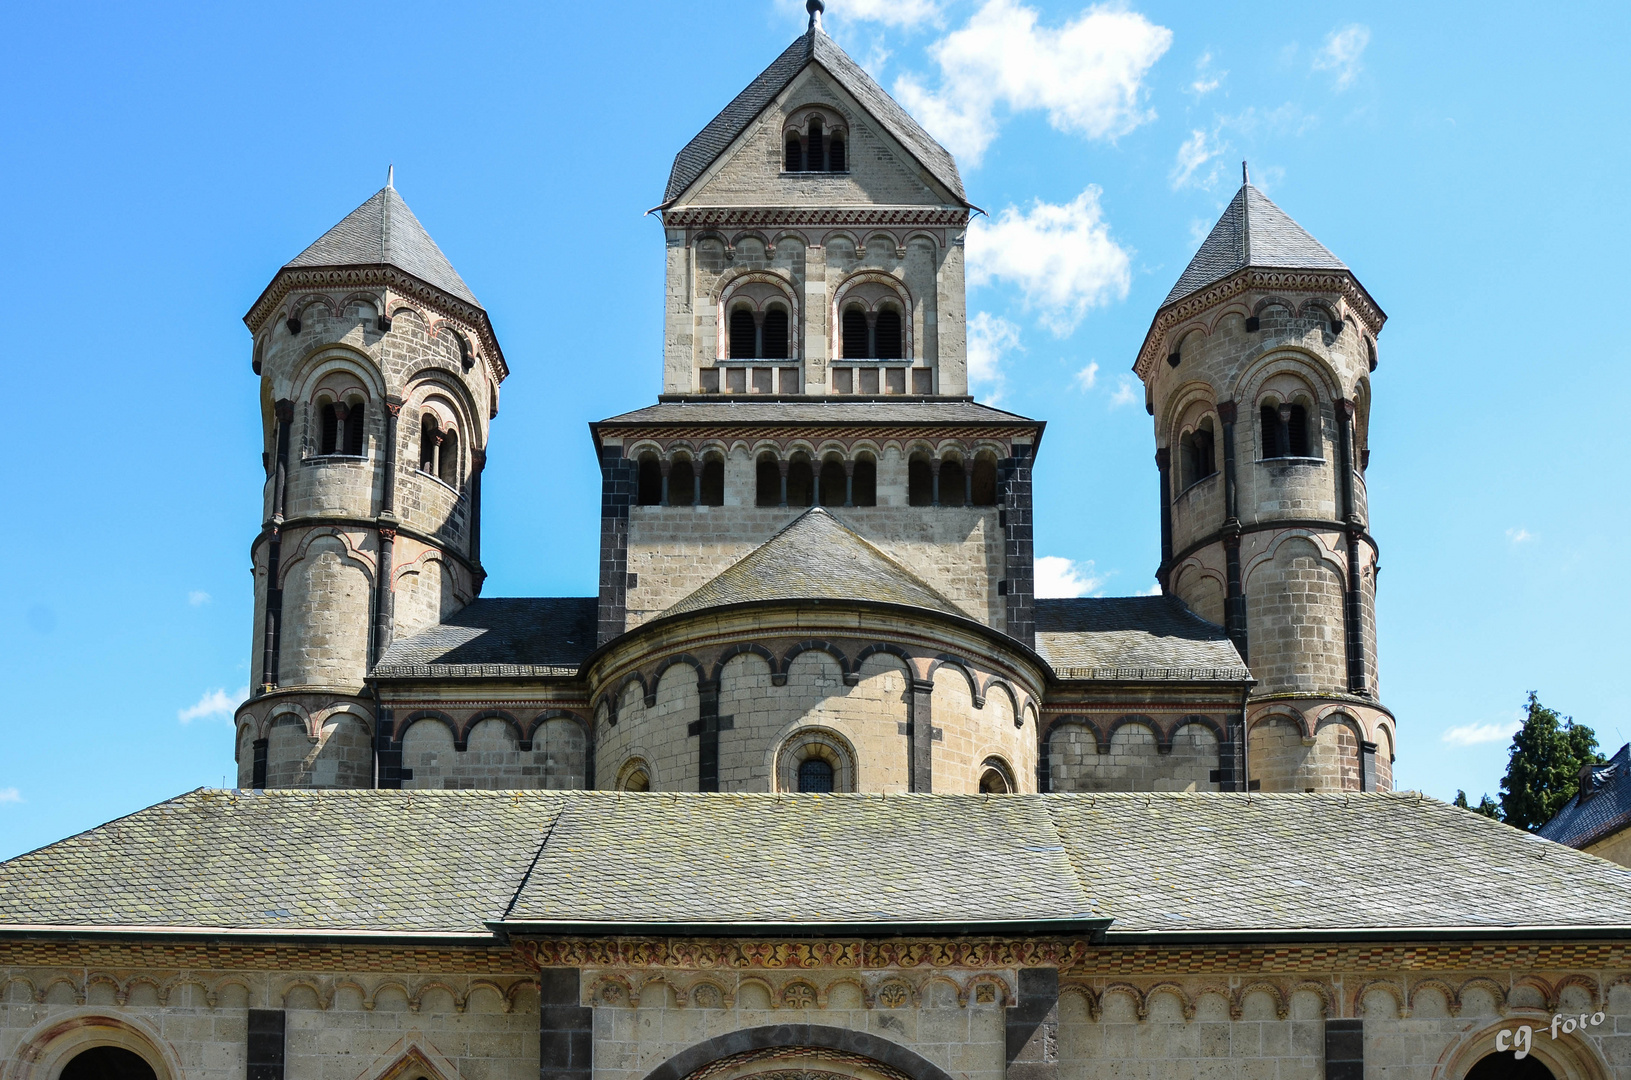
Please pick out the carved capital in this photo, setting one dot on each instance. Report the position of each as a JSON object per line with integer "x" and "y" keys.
{"x": 1345, "y": 408}
{"x": 284, "y": 411}
{"x": 393, "y": 405}
{"x": 1226, "y": 411}
{"x": 386, "y": 533}
{"x": 1163, "y": 459}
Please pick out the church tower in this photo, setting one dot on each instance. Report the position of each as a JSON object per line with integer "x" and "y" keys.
{"x": 1257, "y": 371}
{"x": 379, "y": 375}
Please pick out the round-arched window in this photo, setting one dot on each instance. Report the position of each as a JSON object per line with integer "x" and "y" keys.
{"x": 815, "y": 775}
{"x": 108, "y": 1063}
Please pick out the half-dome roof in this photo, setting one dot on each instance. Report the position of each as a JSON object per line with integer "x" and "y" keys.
{"x": 1252, "y": 232}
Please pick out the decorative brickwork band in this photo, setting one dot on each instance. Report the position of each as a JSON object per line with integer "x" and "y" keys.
{"x": 1352, "y": 602}
{"x": 284, "y": 411}
{"x": 1163, "y": 464}
{"x": 1234, "y": 601}
{"x": 264, "y": 1053}
{"x": 618, "y": 481}
{"x": 1033, "y": 1027}
{"x": 566, "y": 1043}
{"x": 1019, "y": 566}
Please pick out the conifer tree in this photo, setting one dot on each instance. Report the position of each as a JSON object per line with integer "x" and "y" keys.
{"x": 1543, "y": 768}
{"x": 1487, "y": 806}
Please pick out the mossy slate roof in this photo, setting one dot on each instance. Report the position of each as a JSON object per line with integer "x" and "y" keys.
{"x": 1134, "y": 639}
{"x": 454, "y": 862}
{"x": 384, "y": 232}
{"x": 1252, "y": 232}
{"x": 499, "y": 637}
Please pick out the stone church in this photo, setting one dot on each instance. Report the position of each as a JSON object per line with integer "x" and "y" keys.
{"x": 815, "y": 787}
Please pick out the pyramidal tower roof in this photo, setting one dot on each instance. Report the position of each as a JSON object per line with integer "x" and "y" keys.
{"x": 383, "y": 231}
{"x": 811, "y": 47}
{"x": 1252, "y": 232}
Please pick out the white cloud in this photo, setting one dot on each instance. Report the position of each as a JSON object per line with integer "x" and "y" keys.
{"x": 1477, "y": 734}
{"x": 889, "y": 12}
{"x": 10, "y": 794}
{"x": 1087, "y": 75}
{"x": 990, "y": 338}
{"x": 1341, "y": 53}
{"x": 1087, "y": 378}
{"x": 1518, "y": 536}
{"x": 1153, "y": 590}
{"x": 1059, "y": 576}
{"x": 1126, "y": 393}
{"x": 198, "y": 598}
{"x": 214, "y": 703}
{"x": 1206, "y": 80}
{"x": 1200, "y": 148}
{"x": 1062, "y": 257}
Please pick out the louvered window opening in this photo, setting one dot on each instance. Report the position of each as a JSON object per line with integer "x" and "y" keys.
{"x": 815, "y": 776}
{"x": 759, "y": 335}
{"x": 1285, "y": 435}
{"x": 815, "y": 151}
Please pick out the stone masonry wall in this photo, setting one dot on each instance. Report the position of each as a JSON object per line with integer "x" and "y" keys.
{"x": 1133, "y": 761}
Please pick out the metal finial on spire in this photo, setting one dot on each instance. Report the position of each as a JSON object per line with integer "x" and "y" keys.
{"x": 815, "y": 8}
{"x": 1245, "y": 174}
{"x": 390, "y": 176}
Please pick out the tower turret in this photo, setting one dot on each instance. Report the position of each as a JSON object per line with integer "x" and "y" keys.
{"x": 1257, "y": 371}
{"x": 379, "y": 375}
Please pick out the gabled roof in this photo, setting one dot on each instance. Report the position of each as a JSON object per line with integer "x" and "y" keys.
{"x": 384, "y": 232}
{"x": 816, "y": 557}
{"x": 1134, "y": 639}
{"x": 814, "y": 46}
{"x": 1161, "y": 865}
{"x": 499, "y": 637}
{"x": 1252, "y": 232}
{"x": 713, "y": 409}
{"x": 1601, "y": 809}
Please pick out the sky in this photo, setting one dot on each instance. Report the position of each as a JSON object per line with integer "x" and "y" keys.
{"x": 161, "y": 161}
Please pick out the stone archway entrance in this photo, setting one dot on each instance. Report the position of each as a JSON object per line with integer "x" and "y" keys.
{"x": 107, "y": 1063}
{"x": 1507, "y": 1066}
{"x": 798, "y": 1052}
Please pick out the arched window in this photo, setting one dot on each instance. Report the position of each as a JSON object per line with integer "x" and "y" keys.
{"x": 886, "y": 335}
{"x": 919, "y": 481}
{"x": 835, "y": 153}
{"x": 774, "y": 334}
{"x": 713, "y": 481}
{"x": 794, "y": 161}
{"x": 328, "y": 439}
{"x": 1297, "y": 431}
{"x": 768, "y": 481}
{"x": 637, "y": 780}
{"x": 993, "y": 782}
{"x": 834, "y": 483}
{"x": 682, "y": 482}
{"x": 865, "y": 487}
{"x": 448, "y": 458}
{"x": 354, "y": 437}
{"x": 800, "y": 482}
{"x": 953, "y": 483}
{"x": 649, "y": 490}
{"x": 1198, "y": 454}
{"x": 430, "y": 439}
{"x": 985, "y": 481}
{"x": 815, "y": 775}
{"x": 744, "y": 332}
{"x": 108, "y": 1063}
{"x": 856, "y": 343}
{"x": 1285, "y": 431}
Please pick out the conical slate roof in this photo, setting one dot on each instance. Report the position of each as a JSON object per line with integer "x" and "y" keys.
{"x": 813, "y": 46}
{"x": 1252, "y": 232}
{"x": 817, "y": 557}
{"x": 383, "y": 231}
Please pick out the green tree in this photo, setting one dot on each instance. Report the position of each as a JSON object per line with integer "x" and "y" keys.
{"x": 1487, "y": 806}
{"x": 1543, "y": 767}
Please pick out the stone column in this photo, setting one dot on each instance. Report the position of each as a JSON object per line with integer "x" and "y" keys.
{"x": 920, "y": 735}
{"x": 1234, "y": 603}
{"x": 284, "y": 411}
{"x": 849, "y": 482}
{"x": 934, "y": 479}
{"x": 1019, "y": 564}
{"x": 1352, "y": 602}
{"x": 384, "y": 592}
{"x": 618, "y": 482}
{"x": 1163, "y": 465}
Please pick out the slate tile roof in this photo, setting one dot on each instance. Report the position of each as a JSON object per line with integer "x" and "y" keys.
{"x": 833, "y": 411}
{"x": 383, "y": 231}
{"x": 1134, "y": 638}
{"x": 1599, "y": 811}
{"x": 444, "y": 862}
{"x": 1252, "y": 232}
{"x": 813, "y": 46}
{"x": 816, "y": 557}
{"x": 510, "y": 637}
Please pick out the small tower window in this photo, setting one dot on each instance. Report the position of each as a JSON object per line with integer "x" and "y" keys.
{"x": 713, "y": 482}
{"x": 354, "y": 436}
{"x": 993, "y": 782}
{"x": 919, "y": 482}
{"x": 814, "y": 158}
{"x": 744, "y": 333}
{"x": 794, "y": 160}
{"x": 448, "y": 458}
{"x": 985, "y": 481}
{"x": 649, "y": 489}
{"x": 834, "y": 483}
{"x": 856, "y": 346}
{"x": 1297, "y": 431}
{"x": 430, "y": 438}
{"x": 682, "y": 483}
{"x": 1285, "y": 431}
{"x": 768, "y": 481}
{"x": 328, "y": 433}
{"x": 1198, "y": 454}
{"x": 815, "y": 776}
{"x": 800, "y": 482}
{"x": 835, "y": 153}
{"x": 775, "y": 334}
{"x": 887, "y": 335}
{"x": 953, "y": 483}
{"x": 865, "y": 486}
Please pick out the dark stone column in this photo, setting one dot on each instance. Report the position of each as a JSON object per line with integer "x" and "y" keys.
{"x": 1367, "y": 766}
{"x": 566, "y": 1037}
{"x": 1033, "y": 1027}
{"x": 1163, "y": 465}
{"x": 705, "y": 729}
{"x": 387, "y": 497}
{"x": 1234, "y": 602}
{"x": 1019, "y": 562}
{"x": 1352, "y": 601}
{"x": 783, "y": 464}
{"x": 387, "y": 754}
{"x": 284, "y": 411}
{"x": 257, "y": 776}
{"x": 849, "y": 482}
{"x": 478, "y": 464}
{"x": 618, "y": 483}
{"x": 384, "y": 592}
{"x": 920, "y": 734}
{"x": 934, "y": 481}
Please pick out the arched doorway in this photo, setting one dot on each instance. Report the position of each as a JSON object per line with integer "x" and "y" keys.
{"x": 1507, "y": 1066}
{"x": 107, "y": 1063}
{"x": 797, "y": 1052}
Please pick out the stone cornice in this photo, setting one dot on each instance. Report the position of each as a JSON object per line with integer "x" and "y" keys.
{"x": 773, "y": 953}
{"x": 1253, "y": 279}
{"x": 341, "y": 278}
{"x": 833, "y": 217}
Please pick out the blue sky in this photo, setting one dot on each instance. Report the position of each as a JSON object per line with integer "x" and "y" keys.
{"x": 161, "y": 161}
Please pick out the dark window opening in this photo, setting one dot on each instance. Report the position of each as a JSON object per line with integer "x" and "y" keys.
{"x": 1197, "y": 455}
{"x": 330, "y": 426}
{"x": 992, "y": 782}
{"x": 448, "y": 458}
{"x": 1297, "y": 432}
{"x": 985, "y": 482}
{"x": 835, "y": 153}
{"x": 813, "y": 160}
{"x": 682, "y": 481}
{"x": 353, "y": 429}
{"x": 953, "y": 483}
{"x": 815, "y": 776}
{"x": 713, "y": 482}
{"x": 1502, "y": 1066}
{"x": 919, "y": 482}
{"x": 855, "y": 335}
{"x": 866, "y": 482}
{"x": 794, "y": 161}
{"x": 887, "y": 335}
{"x": 800, "y": 483}
{"x": 775, "y": 334}
{"x": 650, "y": 487}
{"x": 833, "y": 483}
{"x": 1285, "y": 431}
{"x": 1273, "y": 437}
{"x": 768, "y": 477}
{"x": 108, "y": 1063}
{"x": 743, "y": 332}
{"x": 429, "y": 436}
